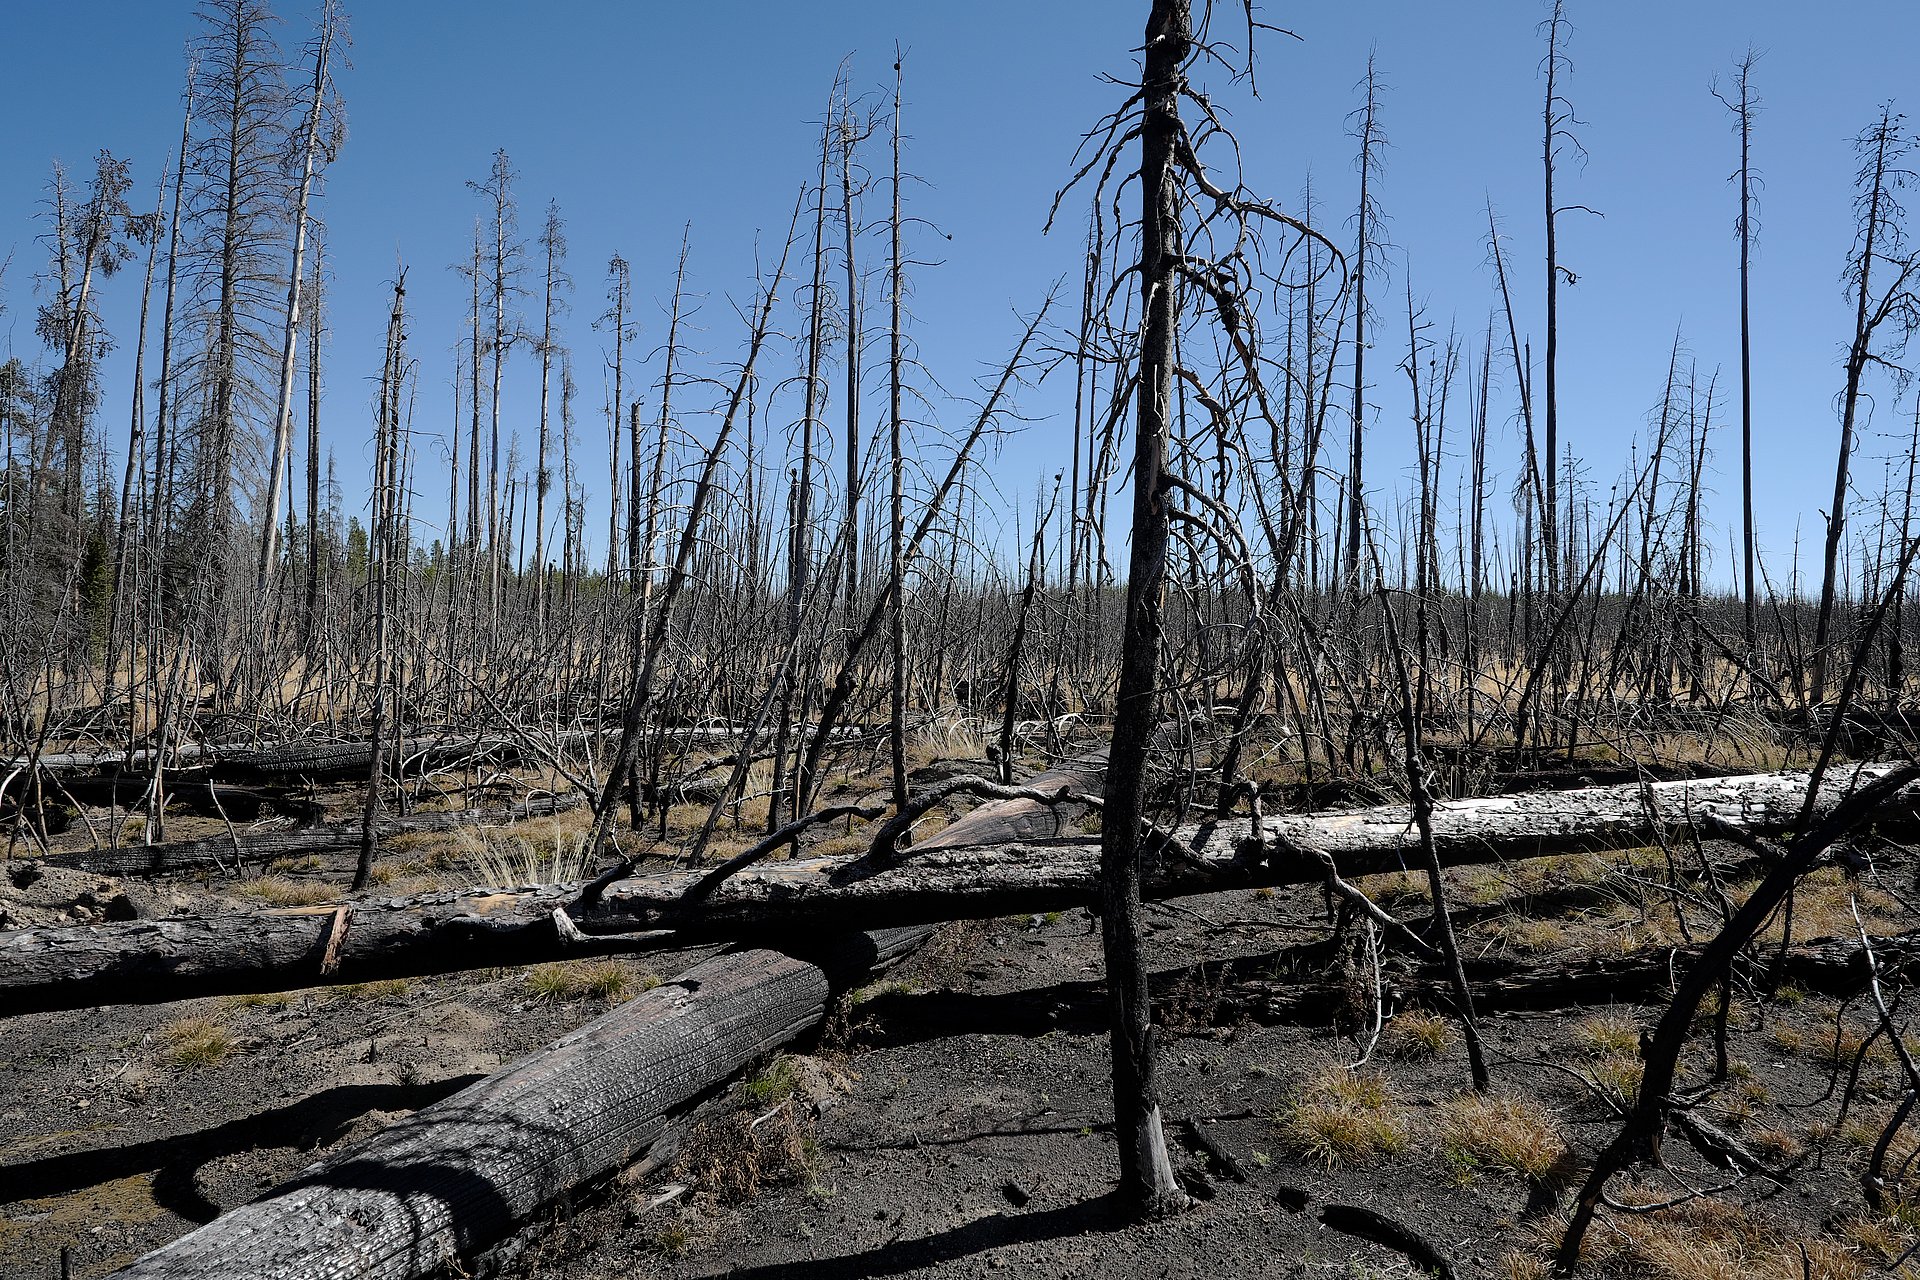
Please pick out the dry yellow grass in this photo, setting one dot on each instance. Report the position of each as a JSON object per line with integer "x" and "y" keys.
{"x": 608, "y": 980}
{"x": 385, "y": 989}
{"x": 1343, "y": 1117}
{"x": 1515, "y": 1265}
{"x": 1505, "y": 1134}
{"x": 1531, "y": 937}
{"x": 285, "y": 891}
{"x": 1416, "y": 1033}
{"x": 1606, "y": 1033}
{"x": 1712, "y": 1239}
{"x": 259, "y": 1000}
{"x": 541, "y": 851}
{"x": 196, "y": 1041}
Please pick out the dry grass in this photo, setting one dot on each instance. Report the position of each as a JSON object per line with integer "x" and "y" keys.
{"x": 849, "y": 845}
{"x": 1415, "y": 1033}
{"x": 1710, "y": 1239}
{"x": 196, "y": 1042}
{"x": 1841, "y": 1045}
{"x": 259, "y": 1000}
{"x": 538, "y": 852}
{"x": 1481, "y": 886}
{"x": 1515, "y": 1265}
{"x": 768, "y": 1139}
{"x": 1506, "y": 1134}
{"x": 1343, "y": 1117}
{"x": 1608, "y": 1033}
{"x": 1822, "y": 908}
{"x": 608, "y": 980}
{"x": 947, "y": 738}
{"x": 385, "y": 989}
{"x": 1531, "y": 937}
{"x": 285, "y": 891}
{"x": 1775, "y": 1145}
{"x": 1397, "y": 891}
{"x": 1619, "y": 1074}
{"x": 1882, "y": 1239}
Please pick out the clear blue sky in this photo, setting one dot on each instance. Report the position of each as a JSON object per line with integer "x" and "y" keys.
{"x": 641, "y": 118}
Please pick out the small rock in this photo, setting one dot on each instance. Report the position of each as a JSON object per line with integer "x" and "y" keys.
{"x": 1016, "y": 1195}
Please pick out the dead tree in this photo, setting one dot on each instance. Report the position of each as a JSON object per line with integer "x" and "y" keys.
{"x": 1744, "y": 106}
{"x": 1881, "y": 244}
{"x": 237, "y": 194}
{"x": 383, "y": 549}
{"x": 1558, "y": 121}
{"x": 312, "y": 151}
{"x": 897, "y": 510}
{"x": 502, "y": 283}
{"x": 1146, "y": 1176}
{"x": 553, "y": 242}
{"x": 1366, "y": 246}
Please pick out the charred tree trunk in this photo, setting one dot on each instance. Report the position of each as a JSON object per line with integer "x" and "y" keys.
{"x": 385, "y": 500}
{"x": 1146, "y": 1176}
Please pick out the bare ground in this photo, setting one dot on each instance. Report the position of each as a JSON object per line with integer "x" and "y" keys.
{"x": 954, "y": 1121}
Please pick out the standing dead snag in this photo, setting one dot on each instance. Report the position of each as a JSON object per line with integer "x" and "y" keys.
{"x": 1884, "y": 148}
{"x": 1367, "y": 243}
{"x": 1743, "y": 110}
{"x": 1146, "y": 1176}
{"x": 1205, "y": 236}
{"x": 311, "y": 151}
{"x": 381, "y": 553}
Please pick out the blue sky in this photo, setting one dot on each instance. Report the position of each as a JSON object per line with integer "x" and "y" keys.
{"x": 643, "y": 118}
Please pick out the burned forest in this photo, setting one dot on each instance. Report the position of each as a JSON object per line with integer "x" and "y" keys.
{"x": 900, "y": 695}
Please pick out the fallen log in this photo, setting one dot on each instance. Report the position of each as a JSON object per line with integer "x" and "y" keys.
{"x": 309, "y": 758}
{"x": 353, "y": 759}
{"x": 194, "y": 792}
{"x": 1827, "y": 966}
{"x": 1224, "y": 992}
{"x": 257, "y": 847}
{"x": 1008, "y": 871}
{"x": 454, "y": 1177}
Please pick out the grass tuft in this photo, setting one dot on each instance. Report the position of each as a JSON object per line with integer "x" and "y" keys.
{"x": 285, "y": 891}
{"x": 196, "y": 1042}
{"x": 384, "y": 989}
{"x": 777, "y": 1083}
{"x": 259, "y": 1000}
{"x": 1510, "y": 1135}
{"x": 1608, "y": 1034}
{"x": 586, "y": 979}
{"x": 1415, "y": 1033}
{"x": 1343, "y": 1117}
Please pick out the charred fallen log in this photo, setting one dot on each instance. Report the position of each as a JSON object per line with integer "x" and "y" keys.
{"x": 1827, "y": 966}
{"x": 454, "y": 1177}
{"x": 457, "y": 1175}
{"x": 195, "y": 792}
{"x": 1014, "y": 868}
{"x": 254, "y": 848}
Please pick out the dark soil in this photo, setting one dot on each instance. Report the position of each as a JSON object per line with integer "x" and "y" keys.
{"x": 955, "y": 1120}
{"x": 968, "y": 1135}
